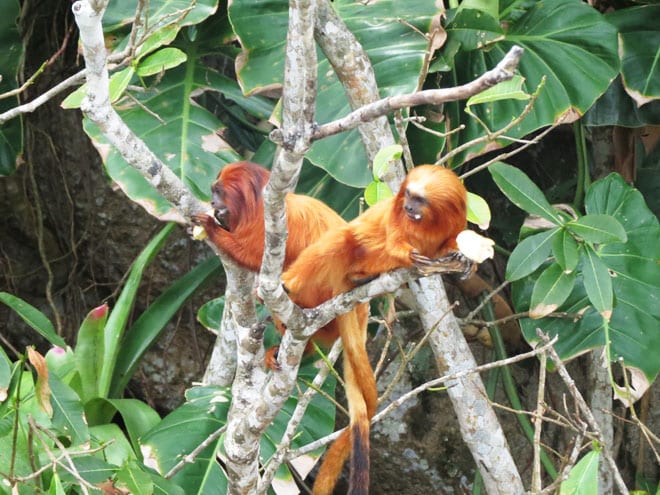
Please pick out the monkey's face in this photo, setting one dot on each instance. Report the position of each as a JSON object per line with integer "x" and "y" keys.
{"x": 221, "y": 212}
{"x": 415, "y": 203}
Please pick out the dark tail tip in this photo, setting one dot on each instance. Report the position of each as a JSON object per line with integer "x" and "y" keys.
{"x": 359, "y": 478}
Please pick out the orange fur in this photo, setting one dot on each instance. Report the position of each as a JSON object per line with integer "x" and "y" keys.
{"x": 420, "y": 223}
{"x": 237, "y": 194}
{"x": 238, "y": 201}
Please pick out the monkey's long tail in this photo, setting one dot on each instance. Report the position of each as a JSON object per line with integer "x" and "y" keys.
{"x": 362, "y": 399}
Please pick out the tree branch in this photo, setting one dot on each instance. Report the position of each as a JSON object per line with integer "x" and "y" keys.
{"x": 96, "y": 106}
{"x": 354, "y": 70}
{"x": 502, "y": 72}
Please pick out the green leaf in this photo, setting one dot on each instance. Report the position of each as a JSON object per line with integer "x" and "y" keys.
{"x": 133, "y": 478}
{"x": 505, "y": 90}
{"x": 56, "y": 487}
{"x": 153, "y": 321}
{"x": 478, "y": 211}
{"x": 598, "y": 229}
{"x": 162, "y": 60}
{"x": 583, "y": 478}
{"x": 89, "y": 355}
{"x": 565, "y": 250}
{"x": 635, "y": 283}
{"x": 530, "y": 254}
{"x": 91, "y": 469}
{"x": 551, "y": 289}
{"x": 472, "y": 29}
{"x": 384, "y": 159}
{"x": 165, "y": 487}
{"x": 116, "y": 323}
{"x": 567, "y": 42}
{"x": 597, "y": 282}
{"x": 181, "y": 431}
{"x": 118, "y": 450}
{"x": 522, "y": 192}
{"x": 639, "y": 46}
{"x": 377, "y": 191}
{"x": 33, "y": 317}
{"x": 204, "y": 412}
{"x": 138, "y": 418}
{"x": 119, "y": 81}
{"x": 161, "y": 12}
{"x": 68, "y": 417}
{"x": 210, "y": 314}
{"x": 488, "y": 7}
{"x": 617, "y": 108}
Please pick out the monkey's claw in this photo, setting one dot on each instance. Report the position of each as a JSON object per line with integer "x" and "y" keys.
{"x": 271, "y": 358}
{"x": 454, "y": 261}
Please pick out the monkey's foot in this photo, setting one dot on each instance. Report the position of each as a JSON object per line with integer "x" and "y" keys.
{"x": 271, "y": 358}
{"x": 454, "y": 262}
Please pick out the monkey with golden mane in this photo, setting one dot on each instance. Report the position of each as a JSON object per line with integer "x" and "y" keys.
{"x": 415, "y": 227}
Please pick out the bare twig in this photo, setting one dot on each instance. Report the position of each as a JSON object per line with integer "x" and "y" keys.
{"x": 428, "y": 385}
{"x": 538, "y": 425}
{"x": 283, "y": 446}
{"x": 584, "y": 409}
{"x": 190, "y": 458}
{"x": 502, "y": 72}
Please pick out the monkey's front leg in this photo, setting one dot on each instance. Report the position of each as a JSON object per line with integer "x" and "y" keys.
{"x": 452, "y": 262}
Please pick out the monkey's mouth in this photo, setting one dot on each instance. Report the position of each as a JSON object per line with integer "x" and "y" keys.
{"x": 415, "y": 216}
{"x": 221, "y": 216}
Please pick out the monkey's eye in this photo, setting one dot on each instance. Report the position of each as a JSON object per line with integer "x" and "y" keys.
{"x": 415, "y": 198}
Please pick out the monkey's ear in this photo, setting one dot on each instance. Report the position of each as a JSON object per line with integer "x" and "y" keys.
{"x": 474, "y": 246}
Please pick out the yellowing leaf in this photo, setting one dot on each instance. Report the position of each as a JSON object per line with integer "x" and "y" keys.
{"x": 42, "y": 388}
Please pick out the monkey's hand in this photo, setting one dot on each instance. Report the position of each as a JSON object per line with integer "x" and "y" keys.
{"x": 201, "y": 219}
{"x": 452, "y": 262}
{"x": 202, "y": 223}
{"x": 271, "y": 358}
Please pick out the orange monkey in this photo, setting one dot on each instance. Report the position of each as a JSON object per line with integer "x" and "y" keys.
{"x": 414, "y": 227}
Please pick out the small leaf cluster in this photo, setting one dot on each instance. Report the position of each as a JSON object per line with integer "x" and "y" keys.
{"x": 598, "y": 270}
{"x": 568, "y": 240}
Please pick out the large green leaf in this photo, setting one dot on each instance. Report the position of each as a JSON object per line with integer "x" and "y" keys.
{"x": 634, "y": 327}
{"x": 639, "y": 46}
{"x": 583, "y": 477}
{"x": 522, "y": 192}
{"x": 116, "y": 323}
{"x": 33, "y": 317}
{"x": 88, "y": 355}
{"x": 181, "y": 431}
{"x": 567, "y": 42}
{"x": 385, "y": 31}
{"x": 161, "y": 13}
{"x": 68, "y": 417}
{"x": 616, "y": 107}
